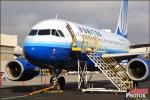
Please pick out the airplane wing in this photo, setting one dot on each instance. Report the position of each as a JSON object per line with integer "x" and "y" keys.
{"x": 130, "y": 55}
{"x": 139, "y": 45}
{"x": 125, "y": 56}
{"x": 17, "y": 54}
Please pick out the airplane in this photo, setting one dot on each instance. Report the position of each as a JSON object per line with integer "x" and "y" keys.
{"x": 57, "y": 44}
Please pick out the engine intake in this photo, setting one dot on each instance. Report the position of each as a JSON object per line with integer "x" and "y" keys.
{"x": 21, "y": 70}
{"x": 138, "y": 69}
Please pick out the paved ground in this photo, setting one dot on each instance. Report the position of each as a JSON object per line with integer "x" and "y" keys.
{"x": 70, "y": 92}
{"x": 20, "y": 90}
{"x": 45, "y": 80}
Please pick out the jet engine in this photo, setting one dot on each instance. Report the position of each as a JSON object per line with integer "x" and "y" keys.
{"x": 138, "y": 69}
{"x": 21, "y": 70}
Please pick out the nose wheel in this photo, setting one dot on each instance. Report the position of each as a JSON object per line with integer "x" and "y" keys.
{"x": 57, "y": 82}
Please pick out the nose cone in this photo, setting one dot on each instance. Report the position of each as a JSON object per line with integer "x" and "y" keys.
{"x": 44, "y": 53}
{"x": 36, "y": 54}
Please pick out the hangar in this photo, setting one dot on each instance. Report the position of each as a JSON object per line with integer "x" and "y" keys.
{"x": 141, "y": 48}
{"x": 8, "y": 43}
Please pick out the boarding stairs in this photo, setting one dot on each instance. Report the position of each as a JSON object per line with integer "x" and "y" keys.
{"x": 112, "y": 70}
{"x": 108, "y": 66}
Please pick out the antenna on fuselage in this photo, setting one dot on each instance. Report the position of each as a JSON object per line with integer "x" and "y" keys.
{"x": 56, "y": 16}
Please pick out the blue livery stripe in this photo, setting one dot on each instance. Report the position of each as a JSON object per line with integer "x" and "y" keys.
{"x": 52, "y": 44}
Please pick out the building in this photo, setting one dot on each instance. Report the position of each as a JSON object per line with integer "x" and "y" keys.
{"x": 7, "y": 44}
{"x": 141, "y": 48}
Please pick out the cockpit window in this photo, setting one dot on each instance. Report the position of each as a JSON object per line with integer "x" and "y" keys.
{"x": 55, "y": 33}
{"x": 33, "y": 32}
{"x": 44, "y": 32}
{"x": 61, "y": 33}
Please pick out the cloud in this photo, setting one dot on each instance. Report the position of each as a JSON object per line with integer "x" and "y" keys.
{"x": 20, "y": 16}
{"x": 19, "y": 23}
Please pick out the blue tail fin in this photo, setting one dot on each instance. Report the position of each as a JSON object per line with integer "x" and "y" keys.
{"x": 122, "y": 21}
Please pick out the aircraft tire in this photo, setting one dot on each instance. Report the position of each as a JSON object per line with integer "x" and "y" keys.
{"x": 61, "y": 82}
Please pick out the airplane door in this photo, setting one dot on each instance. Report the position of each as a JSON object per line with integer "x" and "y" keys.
{"x": 72, "y": 34}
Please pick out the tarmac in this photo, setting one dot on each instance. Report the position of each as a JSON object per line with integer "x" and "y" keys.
{"x": 20, "y": 90}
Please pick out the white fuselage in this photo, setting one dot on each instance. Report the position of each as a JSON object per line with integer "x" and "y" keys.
{"x": 45, "y": 45}
{"x": 109, "y": 42}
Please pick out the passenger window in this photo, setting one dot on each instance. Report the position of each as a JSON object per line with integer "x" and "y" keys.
{"x": 84, "y": 30}
{"x": 88, "y": 31}
{"x": 61, "y": 33}
{"x": 44, "y": 32}
{"x": 33, "y": 32}
{"x": 55, "y": 33}
{"x": 93, "y": 32}
{"x": 96, "y": 33}
{"x": 99, "y": 33}
{"x": 80, "y": 29}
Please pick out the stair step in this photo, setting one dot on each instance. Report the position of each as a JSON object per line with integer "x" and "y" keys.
{"x": 109, "y": 68}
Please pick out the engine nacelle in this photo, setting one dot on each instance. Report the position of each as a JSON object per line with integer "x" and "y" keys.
{"x": 138, "y": 69}
{"x": 21, "y": 70}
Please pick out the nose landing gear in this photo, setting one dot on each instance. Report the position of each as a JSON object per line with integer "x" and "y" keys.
{"x": 57, "y": 82}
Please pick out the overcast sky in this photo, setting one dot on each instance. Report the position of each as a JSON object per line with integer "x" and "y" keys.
{"x": 20, "y": 16}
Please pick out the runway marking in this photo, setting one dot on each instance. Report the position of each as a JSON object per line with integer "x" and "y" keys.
{"x": 32, "y": 93}
{"x": 15, "y": 97}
